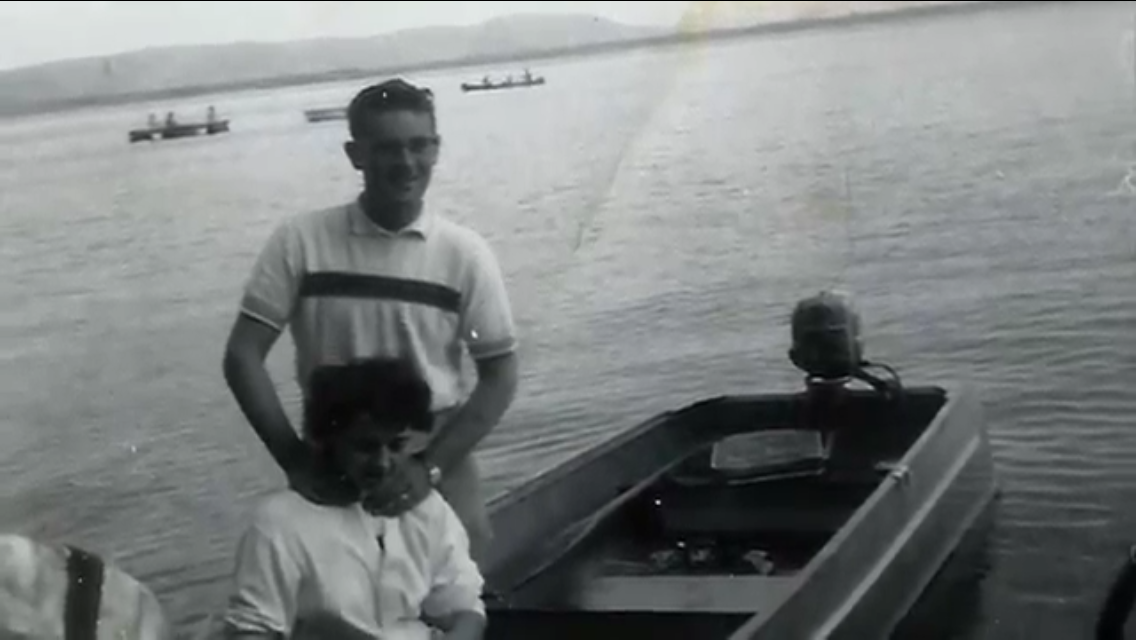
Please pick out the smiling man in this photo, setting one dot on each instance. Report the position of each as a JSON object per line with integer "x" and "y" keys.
{"x": 383, "y": 276}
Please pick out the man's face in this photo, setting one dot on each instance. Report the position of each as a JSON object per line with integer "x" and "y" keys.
{"x": 369, "y": 452}
{"x": 397, "y": 155}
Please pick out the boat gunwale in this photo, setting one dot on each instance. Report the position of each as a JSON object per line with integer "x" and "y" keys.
{"x": 956, "y": 396}
{"x": 572, "y": 463}
{"x": 885, "y": 486}
{"x": 974, "y": 464}
{"x": 918, "y": 519}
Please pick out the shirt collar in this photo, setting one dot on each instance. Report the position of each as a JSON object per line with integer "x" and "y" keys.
{"x": 361, "y": 225}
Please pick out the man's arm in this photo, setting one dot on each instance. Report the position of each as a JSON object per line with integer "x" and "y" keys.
{"x": 495, "y": 390}
{"x": 454, "y": 603}
{"x": 487, "y": 328}
{"x": 266, "y": 582}
{"x": 266, "y": 306}
{"x": 248, "y": 379}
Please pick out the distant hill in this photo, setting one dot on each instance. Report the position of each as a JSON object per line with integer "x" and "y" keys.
{"x": 171, "y": 72}
{"x": 193, "y": 69}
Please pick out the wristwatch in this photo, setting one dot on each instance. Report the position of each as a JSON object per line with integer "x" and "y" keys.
{"x": 434, "y": 472}
{"x": 435, "y": 475}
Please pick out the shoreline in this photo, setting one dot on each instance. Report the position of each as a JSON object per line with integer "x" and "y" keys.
{"x": 677, "y": 39}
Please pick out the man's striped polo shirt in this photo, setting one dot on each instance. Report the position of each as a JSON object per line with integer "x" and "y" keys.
{"x": 347, "y": 288}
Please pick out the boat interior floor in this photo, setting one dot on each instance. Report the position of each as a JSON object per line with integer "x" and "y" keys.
{"x": 684, "y": 560}
{"x": 681, "y": 546}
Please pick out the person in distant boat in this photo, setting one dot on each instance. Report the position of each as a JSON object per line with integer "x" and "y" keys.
{"x": 528, "y": 76}
{"x": 211, "y": 115}
{"x": 371, "y": 568}
{"x": 50, "y": 591}
{"x": 152, "y": 121}
{"x": 383, "y": 275}
{"x": 170, "y": 121}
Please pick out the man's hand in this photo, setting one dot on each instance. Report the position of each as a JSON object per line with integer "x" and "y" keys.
{"x": 406, "y": 487}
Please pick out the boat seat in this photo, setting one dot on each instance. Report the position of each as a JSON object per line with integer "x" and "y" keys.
{"x": 713, "y": 594}
{"x": 724, "y": 521}
{"x": 811, "y": 507}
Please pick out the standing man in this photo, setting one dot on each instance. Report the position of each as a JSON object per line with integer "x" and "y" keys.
{"x": 382, "y": 276}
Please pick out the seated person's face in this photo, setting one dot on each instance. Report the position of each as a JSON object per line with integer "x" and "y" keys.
{"x": 369, "y": 451}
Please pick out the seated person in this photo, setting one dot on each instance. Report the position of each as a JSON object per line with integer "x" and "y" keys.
{"x": 52, "y": 591}
{"x": 393, "y": 564}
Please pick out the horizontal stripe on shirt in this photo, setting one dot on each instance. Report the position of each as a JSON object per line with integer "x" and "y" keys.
{"x": 354, "y": 285}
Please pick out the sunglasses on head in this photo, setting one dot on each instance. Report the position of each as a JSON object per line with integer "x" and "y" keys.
{"x": 398, "y": 92}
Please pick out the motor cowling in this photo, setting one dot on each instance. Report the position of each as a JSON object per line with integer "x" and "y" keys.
{"x": 826, "y": 338}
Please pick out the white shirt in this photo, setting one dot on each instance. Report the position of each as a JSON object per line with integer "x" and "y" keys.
{"x": 379, "y": 574}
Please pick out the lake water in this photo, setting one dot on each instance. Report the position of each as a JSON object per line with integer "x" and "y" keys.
{"x": 657, "y": 214}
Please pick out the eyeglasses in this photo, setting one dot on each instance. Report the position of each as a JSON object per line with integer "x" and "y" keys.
{"x": 418, "y": 146}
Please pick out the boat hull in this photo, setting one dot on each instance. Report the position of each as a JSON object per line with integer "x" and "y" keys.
{"x": 325, "y": 115}
{"x": 870, "y": 575}
{"x": 467, "y": 87}
{"x": 188, "y": 130}
{"x": 873, "y": 540}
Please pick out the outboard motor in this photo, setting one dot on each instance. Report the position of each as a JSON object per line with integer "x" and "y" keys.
{"x": 827, "y": 345}
{"x": 828, "y": 349}
{"x": 826, "y": 339}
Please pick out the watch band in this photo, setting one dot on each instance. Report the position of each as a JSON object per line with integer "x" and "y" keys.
{"x": 434, "y": 472}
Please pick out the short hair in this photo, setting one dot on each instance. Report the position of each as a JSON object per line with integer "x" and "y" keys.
{"x": 390, "y": 390}
{"x": 392, "y": 95}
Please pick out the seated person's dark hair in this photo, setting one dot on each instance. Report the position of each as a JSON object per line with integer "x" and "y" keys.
{"x": 391, "y": 95}
{"x": 388, "y": 389}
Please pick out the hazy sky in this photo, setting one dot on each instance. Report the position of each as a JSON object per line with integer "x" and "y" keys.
{"x": 40, "y": 31}
{"x": 32, "y": 32}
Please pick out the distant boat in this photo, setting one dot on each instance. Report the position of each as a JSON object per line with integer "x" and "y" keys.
{"x": 527, "y": 80}
{"x": 325, "y": 114}
{"x": 172, "y": 129}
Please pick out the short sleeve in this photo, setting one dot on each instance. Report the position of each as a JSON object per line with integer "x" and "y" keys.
{"x": 487, "y": 318}
{"x": 456, "y": 582}
{"x": 266, "y": 584}
{"x": 271, "y": 289}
